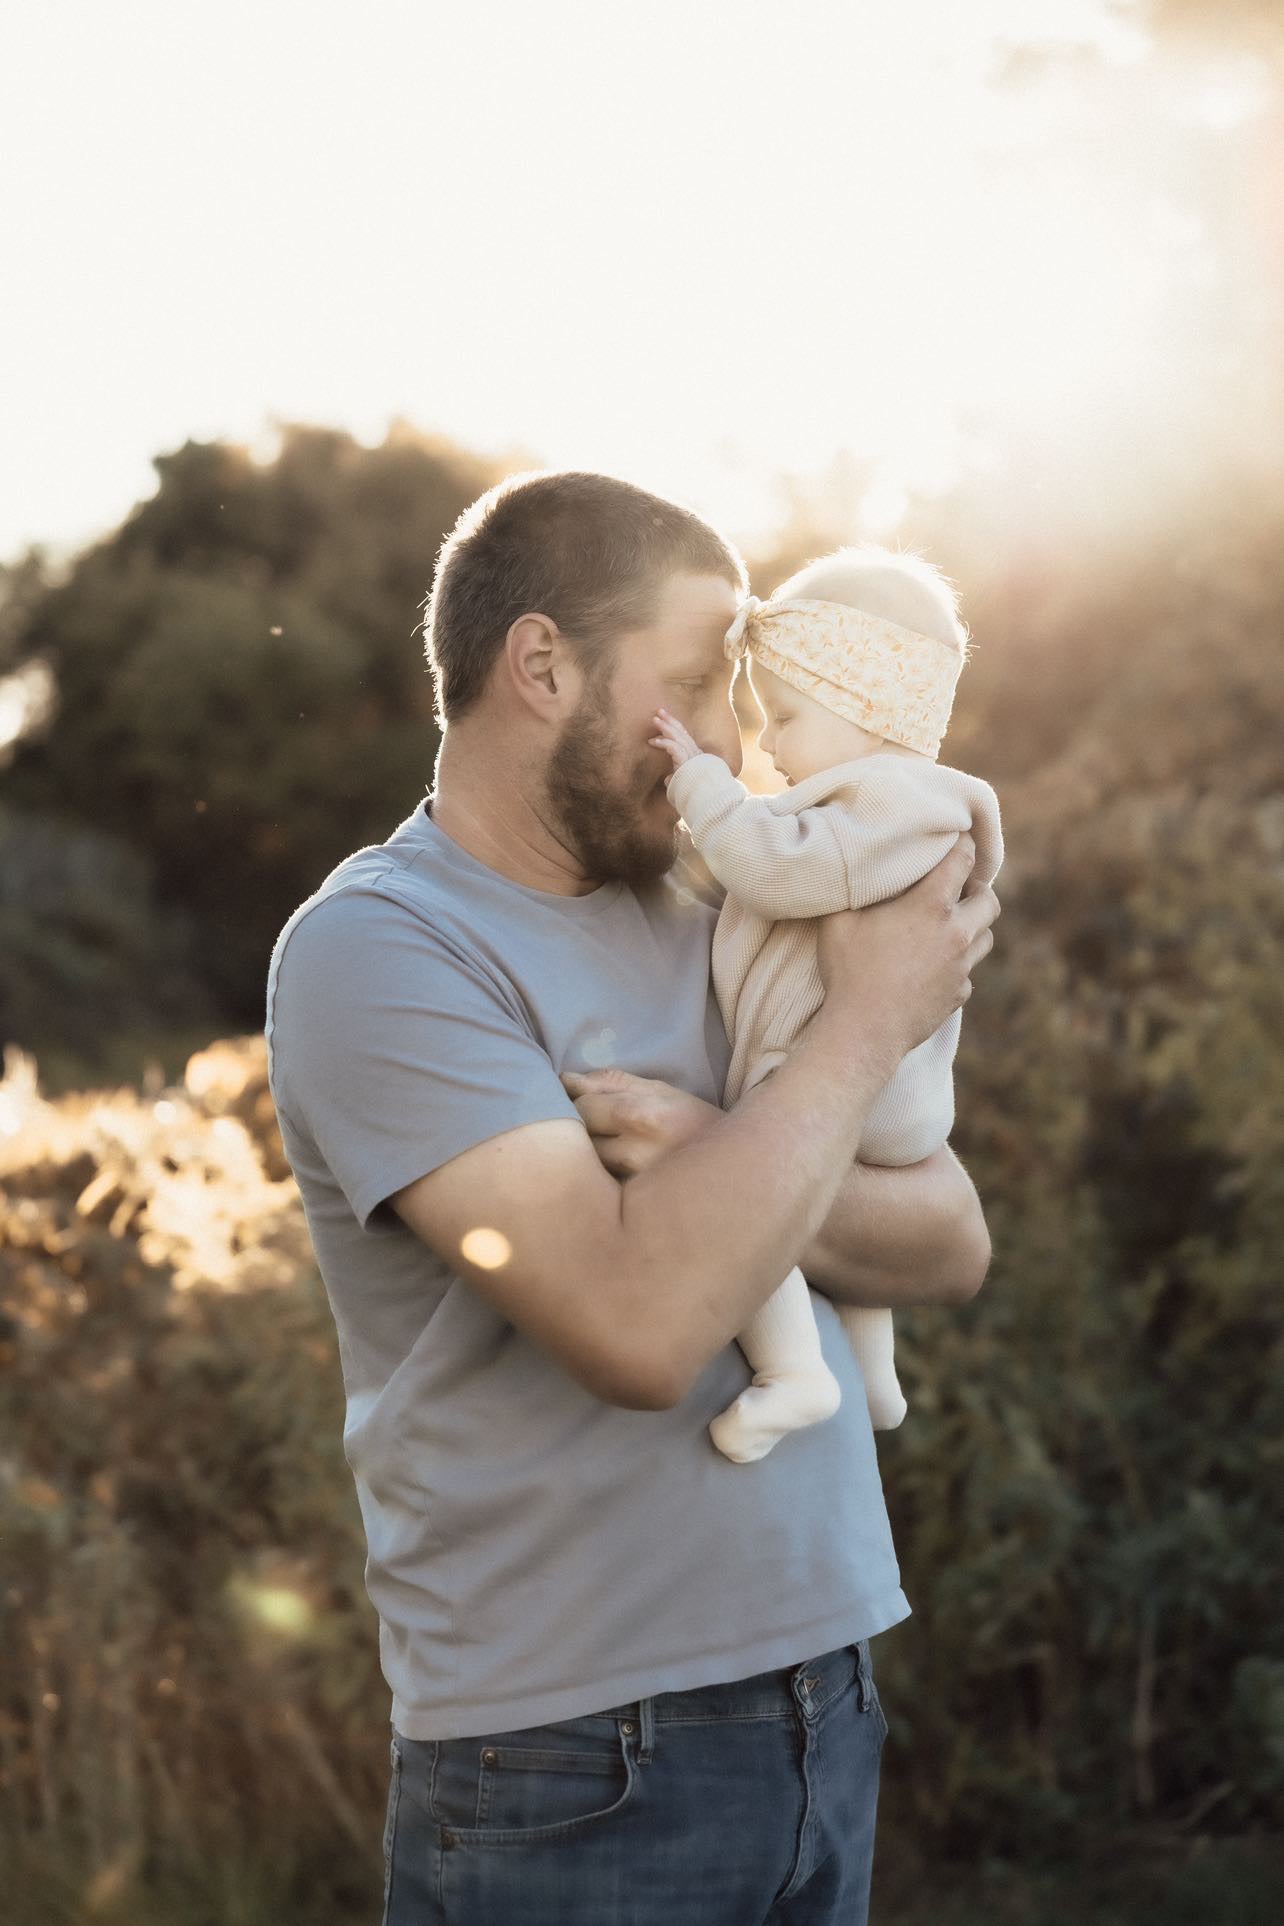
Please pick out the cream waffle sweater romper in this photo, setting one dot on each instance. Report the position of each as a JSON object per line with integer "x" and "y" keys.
{"x": 843, "y": 839}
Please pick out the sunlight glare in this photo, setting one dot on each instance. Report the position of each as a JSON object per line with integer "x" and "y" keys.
{"x": 934, "y": 224}
{"x": 488, "y": 1249}
{"x": 1231, "y": 97}
{"x": 27, "y": 700}
{"x": 278, "y": 1607}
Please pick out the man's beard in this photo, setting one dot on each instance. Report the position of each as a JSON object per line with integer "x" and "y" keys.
{"x": 601, "y": 816}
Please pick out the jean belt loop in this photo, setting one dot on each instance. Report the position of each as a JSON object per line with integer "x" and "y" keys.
{"x": 646, "y": 1736}
{"x": 864, "y": 1672}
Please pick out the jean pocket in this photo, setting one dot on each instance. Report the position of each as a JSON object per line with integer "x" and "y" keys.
{"x": 523, "y": 1787}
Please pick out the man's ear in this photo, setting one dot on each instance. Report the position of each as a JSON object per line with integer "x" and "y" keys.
{"x": 541, "y": 668}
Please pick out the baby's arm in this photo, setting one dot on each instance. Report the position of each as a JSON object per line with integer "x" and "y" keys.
{"x": 878, "y": 830}
{"x": 778, "y": 865}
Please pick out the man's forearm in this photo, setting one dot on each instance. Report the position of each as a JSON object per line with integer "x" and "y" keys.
{"x": 706, "y": 1236}
{"x": 912, "y": 1235}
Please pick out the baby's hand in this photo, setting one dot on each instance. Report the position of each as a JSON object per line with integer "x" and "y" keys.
{"x": 671, "y": 735}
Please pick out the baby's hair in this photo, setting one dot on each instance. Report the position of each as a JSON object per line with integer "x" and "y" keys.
{"x": 899, "y": 587}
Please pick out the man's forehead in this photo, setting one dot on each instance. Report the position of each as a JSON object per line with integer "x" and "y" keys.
{"x": 693, "y": 614}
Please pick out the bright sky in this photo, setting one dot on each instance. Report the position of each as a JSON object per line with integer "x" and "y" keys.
{"x": 692, "y": 243}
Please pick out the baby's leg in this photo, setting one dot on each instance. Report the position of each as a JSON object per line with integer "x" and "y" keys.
{"x": 792, "y": 1388}
{"x": 872, "y": 1338}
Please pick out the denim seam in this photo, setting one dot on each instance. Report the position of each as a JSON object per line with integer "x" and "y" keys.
{"x": 479, "y": 1837}
{"x": 805, "y": 1753}
{"x": 786, "y": 1712}
{"x": 390, "y": 1833}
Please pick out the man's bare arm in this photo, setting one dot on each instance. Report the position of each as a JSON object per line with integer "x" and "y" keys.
{"x": 912, "y": 1235}
{"x": 893, "y": 1237}
{"x": 635, "y": 1288}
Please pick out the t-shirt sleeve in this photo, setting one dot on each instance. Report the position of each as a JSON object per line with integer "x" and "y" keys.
{"x": 395, "y": 1049}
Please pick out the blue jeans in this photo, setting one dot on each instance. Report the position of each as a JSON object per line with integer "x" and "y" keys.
{"x": 749, "y": 1804}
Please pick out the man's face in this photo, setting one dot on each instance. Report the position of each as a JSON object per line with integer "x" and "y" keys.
{"x": 604, "y": 782}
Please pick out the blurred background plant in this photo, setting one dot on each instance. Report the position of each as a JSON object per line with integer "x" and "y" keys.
{"x": 1069, "y": 391}
{"x": 1086, "y": 1492}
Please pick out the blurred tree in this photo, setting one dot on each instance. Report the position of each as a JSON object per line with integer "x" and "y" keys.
{"x": 241, "y": 691}
{"x": 1089, "y": 1473}
{"x": 22, "y": 583}
{"x": 86, "y": 952}
{"x": 1254, "y": 25}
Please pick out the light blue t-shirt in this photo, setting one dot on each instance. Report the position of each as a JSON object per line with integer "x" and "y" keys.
{"x": 534, "y": 1553}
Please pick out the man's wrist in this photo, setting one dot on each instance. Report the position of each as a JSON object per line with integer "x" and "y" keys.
{"x": 868, "y": 1042}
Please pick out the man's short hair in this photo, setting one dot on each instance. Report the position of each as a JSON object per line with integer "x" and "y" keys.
{"x": 588, "y": 551}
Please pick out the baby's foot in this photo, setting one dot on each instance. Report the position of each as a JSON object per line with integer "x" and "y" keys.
{"x": 887, "y": 1406}
{"x": 771, "y": 1408}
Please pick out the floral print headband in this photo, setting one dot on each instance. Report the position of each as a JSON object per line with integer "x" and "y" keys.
{"x": 892, "y": 681}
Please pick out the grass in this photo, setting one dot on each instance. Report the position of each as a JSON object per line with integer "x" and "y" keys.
{"x": 1231, "y": 1883}
{"x": 1227, "y": 1883}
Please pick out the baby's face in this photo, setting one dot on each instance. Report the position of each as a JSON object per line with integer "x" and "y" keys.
{"x": 800, "y": 736}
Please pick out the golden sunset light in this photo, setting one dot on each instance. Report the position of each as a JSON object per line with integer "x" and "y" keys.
{"x": 641, "y": 1011}
{"x": 926, "y": 241}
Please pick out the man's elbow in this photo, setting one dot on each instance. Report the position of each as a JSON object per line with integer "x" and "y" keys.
{"x": 625, "y": 1350}
{"x": 967, "y": 1261}
{"x": 637, "y": 1383}
{"x": 635, "y": 1370}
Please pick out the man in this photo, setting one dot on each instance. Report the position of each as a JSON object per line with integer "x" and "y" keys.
{"x": 631, "y": 1680}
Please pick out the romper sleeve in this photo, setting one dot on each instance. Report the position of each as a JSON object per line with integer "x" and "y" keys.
{"x": 779, "y": 865}
{"x": 877, "y": 827}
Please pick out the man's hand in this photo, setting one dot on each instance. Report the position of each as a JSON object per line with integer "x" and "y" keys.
{"x": 634, "y": 1121}
{"x": 906, "y": 964}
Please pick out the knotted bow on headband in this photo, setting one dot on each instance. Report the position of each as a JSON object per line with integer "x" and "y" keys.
{"x": 734, "y": 642}
{"x": 893, "y": 681}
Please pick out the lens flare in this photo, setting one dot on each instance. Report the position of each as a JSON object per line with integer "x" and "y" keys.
{"x": 488, "y": 1249}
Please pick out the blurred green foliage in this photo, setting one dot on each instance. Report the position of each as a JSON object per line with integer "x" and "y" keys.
{"x": 1086, "y": 1491}
{"x": 240, "y": 693}
{"x": 86, "y": 949}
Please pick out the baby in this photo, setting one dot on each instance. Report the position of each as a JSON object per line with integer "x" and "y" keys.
{"x": 854, "y": 661}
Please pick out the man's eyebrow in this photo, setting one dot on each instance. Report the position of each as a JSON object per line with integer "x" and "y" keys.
{"x": 705, "y": 666}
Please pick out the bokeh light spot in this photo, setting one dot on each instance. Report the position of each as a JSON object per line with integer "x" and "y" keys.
{"x": 278, "y": 1607}
{"x": 489, "y": 1249}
